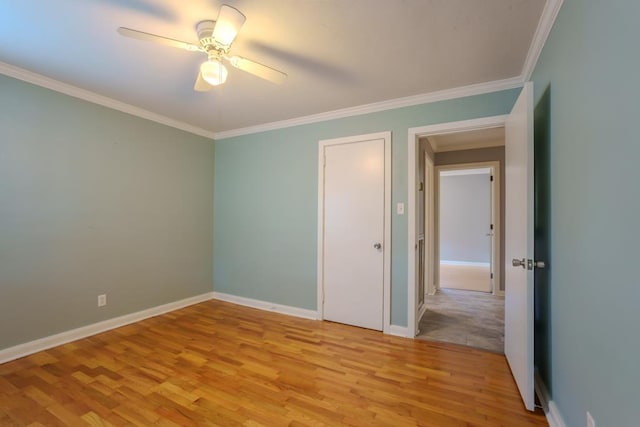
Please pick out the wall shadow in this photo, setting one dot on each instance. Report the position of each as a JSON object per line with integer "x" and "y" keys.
{"x": 542, "y": 233}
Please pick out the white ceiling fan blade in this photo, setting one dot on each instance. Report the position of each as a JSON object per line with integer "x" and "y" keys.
{"x": 257, "y": 69}
{"x": 228, "y": 25}
{"x": 201, "y": 84}
{"x": 141, "y": 35}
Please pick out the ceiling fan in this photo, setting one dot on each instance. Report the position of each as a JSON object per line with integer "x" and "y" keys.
{"x": 215, "y": 39}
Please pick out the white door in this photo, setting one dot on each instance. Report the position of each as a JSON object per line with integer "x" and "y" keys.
{"x": 518, "y": 345}
{"x": 353, "y": 262}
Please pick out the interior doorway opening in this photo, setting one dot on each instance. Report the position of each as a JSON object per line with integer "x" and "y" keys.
{"x": 466, "y": 229}
{"x": 468, "y": 233}
{"x": 519, "y": 204}
{"x": 459, "y": 217}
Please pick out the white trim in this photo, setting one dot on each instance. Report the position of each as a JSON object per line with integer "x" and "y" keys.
{"x": 461, "y": 172}
{"x": 22, "y": 350}
{"x": 461, "y": 147}
{"x": 398, "y": 331}
{"x": 465, "y": 263}
{"x": 460, "y": 126}
{"x": 76, "y": 92}
{"x": 426, "y": 98}
{"x": 545, "y": 24}
{"x": 414, "y": 135}
{"x": 421, "y": 312}
{"x": 386, "y": 244}
{"x": 553, "y": 416}
{"x": 547, "y": 19}
{"x": 551, "y": 411}
{"x": 429, "y": 229}
{"x": 267, "y": 306}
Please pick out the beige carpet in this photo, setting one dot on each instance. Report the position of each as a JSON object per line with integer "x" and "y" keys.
{"x": 468, "y": 318}
{"x": 465, "y": 277}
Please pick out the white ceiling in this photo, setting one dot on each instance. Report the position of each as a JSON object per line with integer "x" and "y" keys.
{"x": 337, "y": 53}
{"x": 478, "y": 138}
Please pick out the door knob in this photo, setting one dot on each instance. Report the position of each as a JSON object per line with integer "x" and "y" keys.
{"x": 519, "y": 262}
{"x": 529, "y": 264}
{"x": 377, "y": 245}
{"x": 536, "y": 264}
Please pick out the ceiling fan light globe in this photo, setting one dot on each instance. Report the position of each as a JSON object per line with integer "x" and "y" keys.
{"x": 213, "y": 72}
{"x": 228, "y": 24}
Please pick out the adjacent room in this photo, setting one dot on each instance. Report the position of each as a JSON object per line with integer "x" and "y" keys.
{"x": 235, "y": 213}
{"x": 463, "y": 284}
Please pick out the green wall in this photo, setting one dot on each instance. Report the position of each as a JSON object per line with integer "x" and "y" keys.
{"x": 590, "y": 65}
{"x": 265, "y": 208}
{"x": 95, "y": 201}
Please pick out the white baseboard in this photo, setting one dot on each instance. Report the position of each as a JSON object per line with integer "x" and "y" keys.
{"x": 465, "y": 263}
{"x": 551, "y": 411}
{"x": 398, "y": 331}
{"x": 267, "y": 306}
{"x": 45, "y": 343}
{"x": 421, "y": 311}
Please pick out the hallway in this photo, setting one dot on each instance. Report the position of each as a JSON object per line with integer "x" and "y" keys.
{"x": 474, "y": 319}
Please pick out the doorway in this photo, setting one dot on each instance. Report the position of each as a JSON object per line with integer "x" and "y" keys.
{"x": 467, "y": 307}
{"x": 470, "y": 157}
{"x": 518, "y": 206}
{"x": 468, "y": 234}
{"x": 354, "y": 203}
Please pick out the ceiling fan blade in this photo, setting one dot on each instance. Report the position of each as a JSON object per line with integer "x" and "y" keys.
{"x": 201, "y": 84}
{"x": 228, "y": 24}
{"x": 257, "y": 69}
{"x": 141, "y": 35}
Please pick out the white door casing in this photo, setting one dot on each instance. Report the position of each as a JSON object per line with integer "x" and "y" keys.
{"x": 353, "y": 217}
{"x": 414, "y": 135}
{"x": 494, "y": 215}
{"x": 429, "y": 225}
{"x": 519, "y": 243}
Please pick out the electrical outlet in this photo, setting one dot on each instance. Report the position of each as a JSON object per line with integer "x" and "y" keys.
{"x": 102, "y": 300}
{"x": 590, "y": 421}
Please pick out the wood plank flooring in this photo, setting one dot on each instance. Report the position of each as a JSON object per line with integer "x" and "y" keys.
{"x": 217, "y": 363}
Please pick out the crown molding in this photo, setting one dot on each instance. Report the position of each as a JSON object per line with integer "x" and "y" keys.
{"x": 547, "y": 19}
{"x": 76, "y": 92}
{"x": 426, "y": 98}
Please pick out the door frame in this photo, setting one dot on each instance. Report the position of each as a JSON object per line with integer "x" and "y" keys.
{"x": 386, "y": 243}
{"x": 429, "y": 224}
{"x": 414, "y": 136}
{"x": 429, "y": 233}
{"x": 496, "y": 262}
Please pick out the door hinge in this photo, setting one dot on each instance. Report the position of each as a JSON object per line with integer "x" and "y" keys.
{"x": 491, "y": 178}
{"x": 491, "y": 226}
{"x": 492, "y": 275}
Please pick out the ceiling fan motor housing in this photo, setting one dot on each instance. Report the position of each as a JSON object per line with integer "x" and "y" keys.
{"x": 205, "y": 33}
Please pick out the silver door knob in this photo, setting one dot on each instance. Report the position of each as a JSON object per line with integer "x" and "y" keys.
{"x": 377, "y": 245}
{"x": 528, "y": 264}
{"x": 519, "y": 262}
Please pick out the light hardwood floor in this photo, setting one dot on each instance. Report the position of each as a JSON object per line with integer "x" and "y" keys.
{"x": 217, "y": 363}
